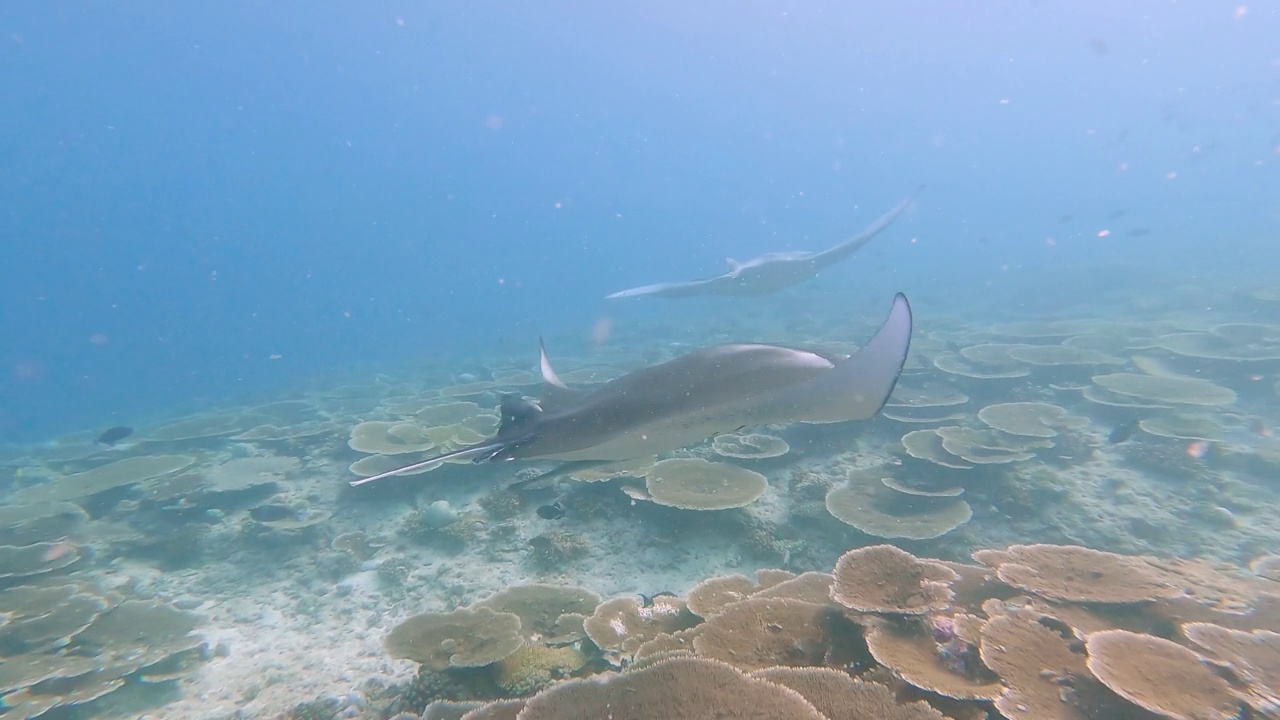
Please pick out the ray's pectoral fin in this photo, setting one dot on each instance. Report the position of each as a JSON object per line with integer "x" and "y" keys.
{"x": 859, "y": 385}
{"x": 669, "y": 289}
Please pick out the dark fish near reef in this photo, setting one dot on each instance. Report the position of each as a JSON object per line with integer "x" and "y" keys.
{"x": 272, "y": 513}
{"x": 691, "y": 398}
{"x": 647, "y": 600}
{"x": 111, "y": 436}
{"x": 1123, "y": 432}
{"x": 554, "y": 511}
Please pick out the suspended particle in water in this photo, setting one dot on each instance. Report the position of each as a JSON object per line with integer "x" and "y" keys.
{"x": 601, "y": 330}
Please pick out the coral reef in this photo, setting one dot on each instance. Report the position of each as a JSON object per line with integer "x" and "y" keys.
{"x": 471, "y": 637}
{"x": 534, "y": 667}
{"x": 394, "y": 572}
{"x": 426, "y": 527}
{"x": 695, "y": 484}
{"x": 1166, "y": 459}
{"x": 72, "y": 643}
{"x": 555, "y": 550}
{"x": 890, "y": 635}
{"x": 501, "y": 504}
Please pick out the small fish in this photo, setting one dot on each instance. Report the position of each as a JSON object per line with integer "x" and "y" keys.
{"x": 554, "y": 511}
{"x": 1123, "y": 432}
{"x": 111, "y": 436}
{"x": 1139, "y": 232}
{"x": 648, "y": 599}
{"x": 1117, "y": 214}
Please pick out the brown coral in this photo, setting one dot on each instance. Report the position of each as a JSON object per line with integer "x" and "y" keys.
{"x": 620, "y": 625}
{"x": 667, "y": 645}
{"x": 1254, "y": 657}
{"x": 763, "y": 632}
{"x": 449, "y": 709}
{"x": 66, "y": 645}
{"x": 120, "y": 473}
{"x": 534, "y": 667}
{"x": 927, "y": 445}
{"x": 1160, "y": 676}
{"x": 840, "y": 697}
{"x": 878, "y": 510}
{"x": 547, "y": 612}
{"x": 1077, "y": 574}
{"x": 1032, "y": 419}
{"x": 813, "y": 587}
{"x": 470, "y": 637}
{"x": 1178, "y": 390}
{"x": 909, "y": 650}
{"x": 695, "y": 484}
{"x": 711, "y": 595}
{"x": 1038, "y": 668}
{"x": 885, "y": 579}
{"x": 674, "y": 689}
{"x": 1266, "y": 566}
{"x": 1215, "y": 585}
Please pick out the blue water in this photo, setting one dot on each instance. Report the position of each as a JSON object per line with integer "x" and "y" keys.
{"x": 188, "y": 189}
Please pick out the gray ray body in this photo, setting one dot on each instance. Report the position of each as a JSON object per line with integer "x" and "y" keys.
{"x": 693, "y": 397}
{"x": 770, "y": 272}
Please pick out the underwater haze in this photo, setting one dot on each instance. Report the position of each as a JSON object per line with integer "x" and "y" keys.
{"x": 256, "y": 258}
{"x": 191, "y": 190}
